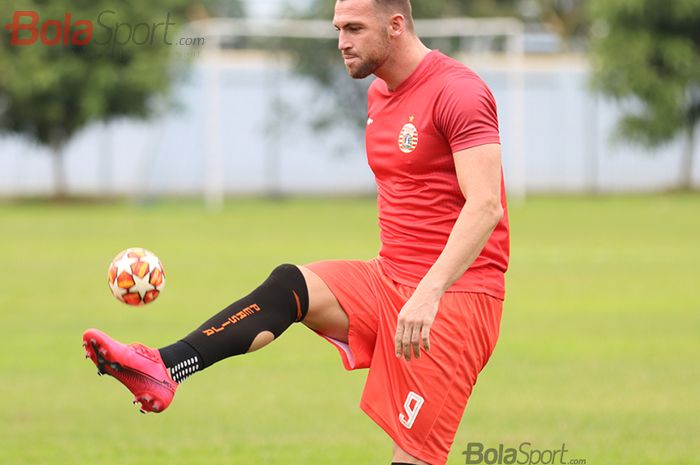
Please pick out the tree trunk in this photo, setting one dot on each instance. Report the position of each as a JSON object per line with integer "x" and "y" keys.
{"x": 59, "y": 179}
{"x": 686, "y": 180}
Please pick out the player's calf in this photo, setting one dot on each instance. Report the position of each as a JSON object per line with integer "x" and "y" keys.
{"x": 267, "y": 311}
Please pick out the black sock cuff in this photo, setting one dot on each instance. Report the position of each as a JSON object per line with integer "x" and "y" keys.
{"x": 194, "y": 350}
{"x": 177, "y": 352}
{"x": 181, "y": 360}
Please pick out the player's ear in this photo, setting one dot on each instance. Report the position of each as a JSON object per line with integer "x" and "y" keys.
{"x": 397, "y": 25}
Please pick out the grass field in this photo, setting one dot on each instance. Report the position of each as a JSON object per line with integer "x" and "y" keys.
{"x": 599, "y": 349}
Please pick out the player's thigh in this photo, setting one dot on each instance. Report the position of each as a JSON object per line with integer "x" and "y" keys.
{"x": 325, "y": 314}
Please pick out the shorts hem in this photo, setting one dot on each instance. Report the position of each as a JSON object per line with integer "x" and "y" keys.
{"x": 417, "y": 453}
{"x": 348, "y": 351}
{"x": 347, "y": 356}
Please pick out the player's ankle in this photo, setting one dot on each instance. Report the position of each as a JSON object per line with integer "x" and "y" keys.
{"x": 181, "y": 360}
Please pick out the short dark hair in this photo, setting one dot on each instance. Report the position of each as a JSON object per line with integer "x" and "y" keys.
{"x": 398, "y": 6}
{"x": 402, "y": 6}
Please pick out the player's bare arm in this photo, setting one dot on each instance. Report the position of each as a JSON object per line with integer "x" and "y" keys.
{"x": 479, "y": 175}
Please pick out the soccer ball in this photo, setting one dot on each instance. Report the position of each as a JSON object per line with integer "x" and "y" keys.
{"x": 136, "y": 276}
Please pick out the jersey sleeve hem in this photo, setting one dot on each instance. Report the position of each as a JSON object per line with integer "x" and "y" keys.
{"x": 475, "y": 143}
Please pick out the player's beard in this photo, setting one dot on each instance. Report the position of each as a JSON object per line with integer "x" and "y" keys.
{"x": 373, "y": 60}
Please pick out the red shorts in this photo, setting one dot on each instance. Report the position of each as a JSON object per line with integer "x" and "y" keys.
{"x": 418, "y": 403}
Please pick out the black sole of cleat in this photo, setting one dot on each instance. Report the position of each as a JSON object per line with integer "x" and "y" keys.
{"x": 100, "y": 360}
{"x": 116, "y": 366}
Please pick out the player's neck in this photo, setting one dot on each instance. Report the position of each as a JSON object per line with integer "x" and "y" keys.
{"x": 402, "y": 62}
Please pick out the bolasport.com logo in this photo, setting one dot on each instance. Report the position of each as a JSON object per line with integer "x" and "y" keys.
{"x": 525, "y": 453}
{"x": 28, "y": 28}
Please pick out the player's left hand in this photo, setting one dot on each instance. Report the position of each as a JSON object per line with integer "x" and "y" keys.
{"x": 414, "y": 323}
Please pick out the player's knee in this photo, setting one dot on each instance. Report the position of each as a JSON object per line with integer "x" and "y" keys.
{"x": 287, "y": 282}
{"x": 286, "y": 271}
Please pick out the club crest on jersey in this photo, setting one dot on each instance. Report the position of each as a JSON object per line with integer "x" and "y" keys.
{"x": 408, "y": 137}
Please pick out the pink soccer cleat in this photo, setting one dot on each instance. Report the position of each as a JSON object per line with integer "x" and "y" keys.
{"x": 136, "y": 366}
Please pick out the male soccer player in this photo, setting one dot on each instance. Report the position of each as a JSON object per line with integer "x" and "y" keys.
{"x": 424, "y": 315}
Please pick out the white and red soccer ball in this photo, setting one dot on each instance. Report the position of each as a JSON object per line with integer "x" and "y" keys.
{"x": 136, "y": 276}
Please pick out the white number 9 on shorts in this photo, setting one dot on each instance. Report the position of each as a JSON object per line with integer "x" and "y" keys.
{"x": 411, "y": 410}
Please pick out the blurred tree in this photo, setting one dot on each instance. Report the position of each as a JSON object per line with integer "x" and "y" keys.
{"x": 646, "y": 54}
{"x": 568, "y": 19}
{"x": 50, "y": 92}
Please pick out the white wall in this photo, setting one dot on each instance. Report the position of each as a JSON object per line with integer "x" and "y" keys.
{"x": 566, "y": 134}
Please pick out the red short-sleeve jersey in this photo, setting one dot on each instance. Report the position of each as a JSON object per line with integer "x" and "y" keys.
{"x": 412, "y": 133}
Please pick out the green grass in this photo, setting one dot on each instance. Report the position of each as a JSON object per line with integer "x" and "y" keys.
{"x": 599, "y": 344}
